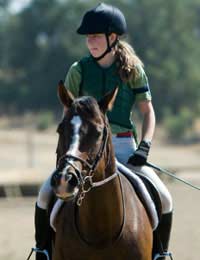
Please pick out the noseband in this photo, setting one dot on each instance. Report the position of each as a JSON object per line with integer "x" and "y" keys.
{"x": 86, "y": 183}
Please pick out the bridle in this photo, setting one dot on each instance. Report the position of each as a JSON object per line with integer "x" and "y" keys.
{"x": 85, "y": 181}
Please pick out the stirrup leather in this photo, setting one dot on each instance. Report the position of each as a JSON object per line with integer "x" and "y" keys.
{"x": 164, "y": 254}
{"x": 37, "y": 250}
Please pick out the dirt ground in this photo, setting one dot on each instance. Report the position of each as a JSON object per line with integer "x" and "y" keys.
{"x": 29, "y": 157}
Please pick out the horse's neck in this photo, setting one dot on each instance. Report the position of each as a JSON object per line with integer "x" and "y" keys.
{"x": 100, "y": 217}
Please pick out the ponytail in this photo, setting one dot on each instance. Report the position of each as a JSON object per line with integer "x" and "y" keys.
{"x": 126, "y": 60}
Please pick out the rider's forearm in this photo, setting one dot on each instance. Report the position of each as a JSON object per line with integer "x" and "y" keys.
{"x": 148, "y": 125}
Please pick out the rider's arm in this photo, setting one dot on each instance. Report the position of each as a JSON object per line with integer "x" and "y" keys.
{"x": 148, "y": 124}
{"x": 73, "y": 79}
{"x": 143, "y": 100}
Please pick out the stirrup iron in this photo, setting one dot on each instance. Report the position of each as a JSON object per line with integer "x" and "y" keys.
{"x": 164, "y": 254}
{"x": 37, "y": 250}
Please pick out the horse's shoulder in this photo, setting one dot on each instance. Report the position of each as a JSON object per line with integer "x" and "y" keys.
{"x": 126, "y": 183}
{"x": 128, "y": 190}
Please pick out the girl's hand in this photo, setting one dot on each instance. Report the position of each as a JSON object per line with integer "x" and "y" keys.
{"x": 139, "y": 157}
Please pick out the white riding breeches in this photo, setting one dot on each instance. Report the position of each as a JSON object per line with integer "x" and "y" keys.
{"x": 45, "y": 194}
{"x": 124, "y": 147}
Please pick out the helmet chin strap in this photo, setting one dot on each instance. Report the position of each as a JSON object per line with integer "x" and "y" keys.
{"x": 109, "y": 48}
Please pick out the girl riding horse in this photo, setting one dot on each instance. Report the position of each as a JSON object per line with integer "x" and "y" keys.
{"x": 113, "y": 62}
{"x": 103, "y": 218}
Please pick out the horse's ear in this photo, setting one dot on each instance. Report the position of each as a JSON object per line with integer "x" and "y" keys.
{"x": 65, "y": 95}
{"x": 107, "y": 102}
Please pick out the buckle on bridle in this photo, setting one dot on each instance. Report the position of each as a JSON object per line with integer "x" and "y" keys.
{"x": 87, "y": 184}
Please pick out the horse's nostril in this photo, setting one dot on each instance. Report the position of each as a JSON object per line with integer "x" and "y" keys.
{"x": 73, "y": 181}
{"x": 68, "y": 176}
{"x": 55, "y": 179}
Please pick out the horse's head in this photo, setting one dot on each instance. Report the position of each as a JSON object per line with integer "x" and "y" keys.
{"x": 82, "y": 144}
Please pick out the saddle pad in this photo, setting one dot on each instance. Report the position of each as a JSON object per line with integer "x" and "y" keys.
{"x": 143, "y": 193}
{"x": 54, "y": 212}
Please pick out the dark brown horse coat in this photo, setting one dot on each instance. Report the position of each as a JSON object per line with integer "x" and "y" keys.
{"x": 131, "y": 238}
{"x": 111, "y": 222}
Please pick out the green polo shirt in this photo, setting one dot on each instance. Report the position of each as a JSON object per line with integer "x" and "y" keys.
{"x": 74, "y": 77}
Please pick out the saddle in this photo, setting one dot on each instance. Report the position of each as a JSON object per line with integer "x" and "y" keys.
{"x": 146, "y": 192}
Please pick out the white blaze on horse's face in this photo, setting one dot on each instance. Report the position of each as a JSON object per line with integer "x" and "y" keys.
{"x": 76, "y": 123}
{"x": 65, "y": 190}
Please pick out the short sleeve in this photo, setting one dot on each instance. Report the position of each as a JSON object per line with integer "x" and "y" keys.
{"x": 73, "y": 79}
{"x": 140, "y": 86}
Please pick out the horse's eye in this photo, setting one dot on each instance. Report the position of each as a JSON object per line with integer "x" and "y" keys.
{"x": 99, "y": 130}
{"x": 83, "y": 131}
{"x": 95, "y": 133}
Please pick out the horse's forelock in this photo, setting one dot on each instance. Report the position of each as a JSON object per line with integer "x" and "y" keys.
{"x": 87, "y": 107}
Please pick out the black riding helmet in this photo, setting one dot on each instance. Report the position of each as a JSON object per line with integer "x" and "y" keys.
{"x": 105, "y": 19}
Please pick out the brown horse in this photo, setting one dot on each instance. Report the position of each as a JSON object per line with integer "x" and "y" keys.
{"x": 102, "y": 218}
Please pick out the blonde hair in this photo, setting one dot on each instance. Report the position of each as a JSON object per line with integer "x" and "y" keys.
{"x": 127, "y": 61}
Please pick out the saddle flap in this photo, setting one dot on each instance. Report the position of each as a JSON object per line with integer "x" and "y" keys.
{"x": 142, "y": 193}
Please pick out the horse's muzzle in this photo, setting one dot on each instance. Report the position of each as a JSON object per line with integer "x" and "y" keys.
{"x": 66, "y": 185}
{"x": 72, "y": 179}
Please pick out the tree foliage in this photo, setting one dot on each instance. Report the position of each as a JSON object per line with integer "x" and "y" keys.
{"x": 39, "y": 44}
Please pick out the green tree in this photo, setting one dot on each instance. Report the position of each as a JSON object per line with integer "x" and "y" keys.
{"x": 39, "y": 44}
